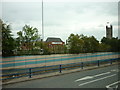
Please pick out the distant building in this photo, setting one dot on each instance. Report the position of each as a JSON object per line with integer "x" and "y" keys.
{"x": 109, "y": 30}
{"x": 56, "y": 45}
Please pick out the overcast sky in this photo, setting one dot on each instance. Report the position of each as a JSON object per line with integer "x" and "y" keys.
{"x": 62, "y": 18}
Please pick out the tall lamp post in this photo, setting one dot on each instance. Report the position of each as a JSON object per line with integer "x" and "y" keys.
{"x": 42, "y": 40}
{"x": 42, "y": 23}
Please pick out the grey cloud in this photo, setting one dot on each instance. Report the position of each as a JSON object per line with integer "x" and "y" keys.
{"x": 21, "y": 11}
{"x": 61, "y": 16}
{"x": 115, "y": 23}
{"x": 101, "y": 25}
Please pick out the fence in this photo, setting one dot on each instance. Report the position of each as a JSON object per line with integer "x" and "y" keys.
{"x": 29, "y": 72}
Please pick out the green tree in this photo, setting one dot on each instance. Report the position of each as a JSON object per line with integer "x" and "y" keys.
{"x": 91, "y": 44}
{"x": 75, "y": 44}
{"x": 94, "y": 44}
{"x": 27, "y": 37}
{"x": 41, "y": 45}
{"x": 118, "y": 45}
{"x": 104, "y": 47}
{"x": 113, "y": 43}
{"x": 8, "y": 42}
{"x": 86, "y": 47}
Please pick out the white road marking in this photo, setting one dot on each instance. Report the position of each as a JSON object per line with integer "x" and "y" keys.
{"x": 90, "y": 77}
{"x": 115, "y": 70}
{"x": 96, "y": 80}
{"x": 108, "y": 86}
{"x": 102, "y": 74}
{"x": 84, "y": 78}
{"x": 116, "y": 86}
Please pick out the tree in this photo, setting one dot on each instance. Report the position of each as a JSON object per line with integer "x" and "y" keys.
{"x": 118, "y": 45}
{"x": 90, "y": 44}
{"x": 8, "y": 43}
{"x": 113, "y": 43}
{"x": 75, "y": 44}
{"x": 40, "y": 45}
{"x": 94, "y": 44}
{"x": 80, "y": 43}
{"x": 104, "y": 47}
{"x": 86, "y": 47}
{"x": 27, "y": 37}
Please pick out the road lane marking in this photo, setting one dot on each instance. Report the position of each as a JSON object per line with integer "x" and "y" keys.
{"x": 84, "y": 78}
{"x": 97, "y": 80}
{"x": 108, "y": 86}
{"x": 90, "y": 77}
{"x": 115, "y": 70}
{"x": 101, "y": 74}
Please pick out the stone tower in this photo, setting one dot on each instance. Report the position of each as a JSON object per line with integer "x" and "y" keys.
{"x": 108, "y": 30}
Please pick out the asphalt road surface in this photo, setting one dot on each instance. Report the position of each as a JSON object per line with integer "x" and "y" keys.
{"x": 105, "y": 77}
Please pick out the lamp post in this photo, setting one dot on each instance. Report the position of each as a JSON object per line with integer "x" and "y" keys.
{"x": 42, "y": 40}
{"x": 42, "y": 23}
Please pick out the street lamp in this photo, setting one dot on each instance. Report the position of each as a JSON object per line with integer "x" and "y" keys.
{"x": 42, "y": 40}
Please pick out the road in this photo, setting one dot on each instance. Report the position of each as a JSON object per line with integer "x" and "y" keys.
{"x": 105, "y": 77}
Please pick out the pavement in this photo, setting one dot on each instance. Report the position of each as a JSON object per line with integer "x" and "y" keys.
{"x": 48, "y": 60}
{"x": 105, "y": 76}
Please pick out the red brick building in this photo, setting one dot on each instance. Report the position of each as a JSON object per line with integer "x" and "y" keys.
{"x": 56, "y": 45}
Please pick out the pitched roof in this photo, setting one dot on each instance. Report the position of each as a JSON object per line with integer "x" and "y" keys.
{"x": 52, "y": 39}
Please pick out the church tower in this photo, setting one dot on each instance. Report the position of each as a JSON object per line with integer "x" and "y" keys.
{"x": 108, "y": 30}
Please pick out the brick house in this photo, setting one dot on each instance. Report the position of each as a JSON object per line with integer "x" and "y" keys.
{"x": 56, "y": 45}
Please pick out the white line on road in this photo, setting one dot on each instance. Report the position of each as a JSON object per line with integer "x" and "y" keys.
{"x": 101, "y": 74}
{"x": 90, "y": 77}
{"x": 115, "y": 70}
{"x": 108, "y": 86}
{"x": 96, "y": 80}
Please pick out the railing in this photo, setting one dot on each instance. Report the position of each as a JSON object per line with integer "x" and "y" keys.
{"x": 29, "y": 72}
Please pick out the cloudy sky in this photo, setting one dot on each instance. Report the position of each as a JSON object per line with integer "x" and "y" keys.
{"x": 61, "y": 18}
